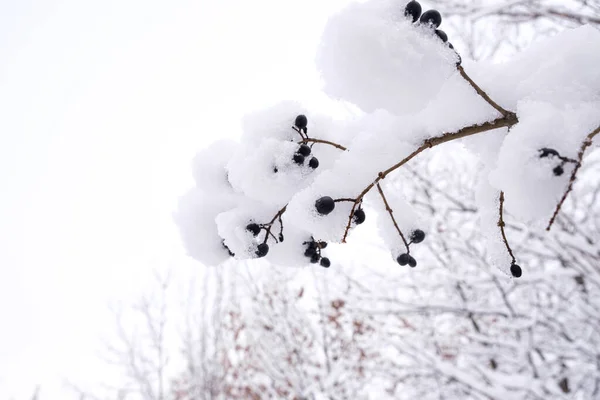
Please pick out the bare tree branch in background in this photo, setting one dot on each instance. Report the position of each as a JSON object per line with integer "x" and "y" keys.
{"x": 451, "y": 328}
{"x": 138, "y": 351}
{"x": 489, "y": 29}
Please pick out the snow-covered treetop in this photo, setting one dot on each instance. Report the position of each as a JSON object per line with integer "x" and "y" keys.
{"x": 298, "y": 180}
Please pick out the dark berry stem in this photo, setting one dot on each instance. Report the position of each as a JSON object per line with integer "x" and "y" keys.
{"x": 344, "y": 199}
{"x": 269, "y": 225}
{"x": 501, "y": 225}
{"x": 391, "y": 212}
{"x": 312, "y": 140}
{"x": 483, "y": 94}
{"x": 302, "y": 135}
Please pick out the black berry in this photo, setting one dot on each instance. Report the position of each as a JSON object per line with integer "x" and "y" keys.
{"x": 281, "y": 237}
{"x": 516, "y": 270}
{"x": 403, "y": 259}
{"x": 450, "y": 45}
{"x": 275, "y": 170}
{"x": 558, "y": 170}
{"x": 310, "y": 252}
{"x": 412, "y": 262}
{"x": 262, "y": 250}
{"x": 315, "y": 258}
{"x": 431, "y": 17}
{"x": 254, "y": 228}
{"x": 313, "y": 163}
{"x": 413, "y": 9}
{"x": 301, "y": 122}
{"x": 359, "y": 216}
{"x": 325, "y": 262}
{"x": 545, "y": 152}
{"x": 324, "y": 205}
{"x": 442, "y": 35}
{"x": 417, "y": 236}
{"x": 304, "y": 150}
{"x": 298, "y": 159}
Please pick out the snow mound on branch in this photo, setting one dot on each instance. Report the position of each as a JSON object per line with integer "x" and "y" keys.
{"x": 263, "y": 168}
{"x": 267, "y": 173}
{"x": 532, "y": 190}
{"x": 560, "y": 70}
{"x": 197, "y": 209}
{"x": 195, "y": 217}
{"x": 232, "y": 228}
{"x": 275, "y": 122}
{"x": 373, "y": 56}
{"x": 457, "y": 105}
{"x": 208, "y": 167}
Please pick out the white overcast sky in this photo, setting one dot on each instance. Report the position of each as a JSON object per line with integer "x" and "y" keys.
{"x": 102, "y": 106}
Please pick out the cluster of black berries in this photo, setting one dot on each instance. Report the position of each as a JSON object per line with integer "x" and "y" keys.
{"x": 559, "y": 169}
{"x": 430, "y": 18}
{"x": 302, "y": 153}
{"x": 263, "y": 248}
{"x": 417, "y": 236}
{"x": 301, "y": 125}
{"x": 313, "y": 251}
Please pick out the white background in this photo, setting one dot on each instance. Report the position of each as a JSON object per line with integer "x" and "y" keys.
{"x": 102, "y": 107}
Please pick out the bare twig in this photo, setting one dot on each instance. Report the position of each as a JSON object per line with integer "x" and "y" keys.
{"x": 391, "y": 212}
{"x": 506, "y": 121}
{"x": 586, "y": 143}
{"x": 344, "y": 199}
{"x": 302, "y": 135}
{"x": 280, "y": 226}
{"x": 501, "y": 224}
{"x": 269, "y": 225}
{"x": 312, "y": 140}
{"x": 481, "y": 93}
{"x": 572, "y": 17}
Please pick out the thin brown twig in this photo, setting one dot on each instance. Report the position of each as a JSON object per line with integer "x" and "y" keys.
{"x": 269, "y": 225}
{"x": 391, "y": 212}
{"x": 312, "y": 140}
{"x": 280, "y": 227}
{"x": 501, "y": 224}
{"x": 302, "y": 135}
{"x": 586, "y": 143}
{"x": 482, "y": 93}
{"x": 506, "y": 121}
{"x": 344, "y": 199}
